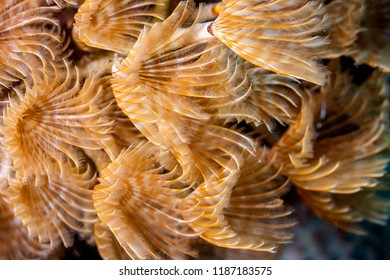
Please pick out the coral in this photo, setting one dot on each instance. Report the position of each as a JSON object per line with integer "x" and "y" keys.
{"x": 152, "y": 129}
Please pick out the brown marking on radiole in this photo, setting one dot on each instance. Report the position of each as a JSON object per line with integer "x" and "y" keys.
{"x": 209, "y": 29}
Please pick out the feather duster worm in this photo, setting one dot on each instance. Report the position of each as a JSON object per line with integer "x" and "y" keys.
{"x": 349, "y": 211}
{"x": 372, "y": 44}
{"x": 345, "y": 25}
{"x": 273, "y": 98}
{"x": 123, "y": 133}
{"x": 46, "y": 122}
{"x": 353, "y": 135}
{"x": 255, "y": 207}
{"x": 114, "y": 25}
{"x": 15, "y": 243}
{"x": 171, "y": 90}
{"x": 55, "y": 204}
{"x": 107, "y": 244}
{"x": 153, "y": 215}
{"x": 209, "y": 113}
{"x": 279, "y": 36}
{"x": 63, "y": 3}
{"x": 337, "y": 149}
{"x": 248, "y": 215}
{"x": 138, "y": 198}
{"x": 29, "y": 39}
{"x": 296, "y": 143}
{"x": 332, "y": 152}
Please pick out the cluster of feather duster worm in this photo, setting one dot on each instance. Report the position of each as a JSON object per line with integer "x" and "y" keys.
{"x": 152, "y": 130}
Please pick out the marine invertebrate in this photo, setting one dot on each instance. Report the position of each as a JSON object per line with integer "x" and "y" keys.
{"x": 254, "y": 217}
{"x": 204, "y": 81}
{"x": 273, "y": 99}
{"x": 165, "y": 133}
{"x": 53, "y": 205}
{"x": 314, "y": 154}
{"x": 131, "y": 194}
{"x": 62, "y": 3}
{"x": 39, "y": 127}
{"x": 275, "y": 35}
{"x": 29, "y": 38}
{"x": 113, "y": 25}
{"x": 371, "y": 46}
{"x": 14, "y": 238}
{"x": 345, "y": 19}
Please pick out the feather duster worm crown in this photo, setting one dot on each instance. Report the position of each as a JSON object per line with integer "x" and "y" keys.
{"x": 51, "y": 119}
{"x": 151, "y": 130}
{"x": 275, "y": 35}
{"x": 30, "y": 38}
{"x": 113, "y": 25}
